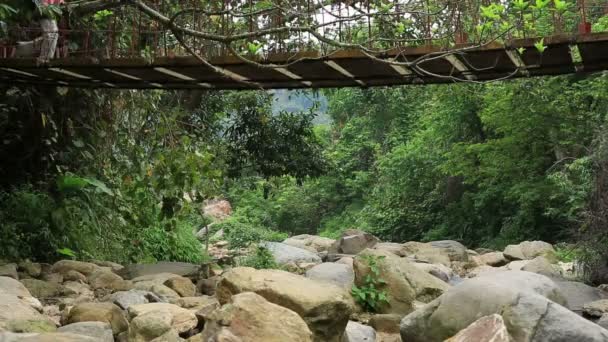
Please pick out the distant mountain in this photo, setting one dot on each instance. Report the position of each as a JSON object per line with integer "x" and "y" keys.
{"x": 301, "y": 100}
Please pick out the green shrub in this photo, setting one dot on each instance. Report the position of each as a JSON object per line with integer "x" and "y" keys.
{"x": 261, "y": 259}
{"x": 25, "y": 229}
{"x": 242, "y": 234}
{"x": 368, "y": 295}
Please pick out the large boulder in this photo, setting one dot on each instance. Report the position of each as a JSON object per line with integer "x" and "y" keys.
{"x": 285, "y": 254}
{"x": 486, "y": 329}
{"x": 324, "y": 307}
{"x": 529, "y": 250}
{"x": 103, "y": 279}
{"x": 99, "y": 312}
{"x": 182, "y": 285}
{"x": 393, "y": 247}
{"x": 19, "y": 315}
{"x": 32, "y": 269}
{"x": 312, "y": 243}
{"x": 338, "y": 274}
{"x": 217, "y": 209}
{"x": 184, "y": 269}
{"x": 425, "y": 252}
{"x": 102, "y": 332}
{"x": 357, "y": 332}
{"x": 541, "y": 265}
{"x": 454, "y": 249}
{"x": 437, "y": 270}
{"x": 578, "y": 294}
{"x": 150, "y": 325}
{"x": 13, "y": 287}
{"x": 182, "y": 320}
{"x": 64, "y": 266}
{"x": 596, "y": 309}
{"x": 528, "y": 302}
{"x": 9, "y": 270}
{"x": 249, "y": 318}
{"x": 495, "y": 259}
{"x": 405, "y": 283}
{"x": 353, "y": 241}
{"x": 43, "y": 289}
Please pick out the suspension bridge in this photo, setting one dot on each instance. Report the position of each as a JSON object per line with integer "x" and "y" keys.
{"x": 348, "y": 48}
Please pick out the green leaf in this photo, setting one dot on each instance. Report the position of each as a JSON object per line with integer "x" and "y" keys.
{"x": 520, "y": 4}
{"x": 67, "y": 252}
{"x": 540, "y": 45}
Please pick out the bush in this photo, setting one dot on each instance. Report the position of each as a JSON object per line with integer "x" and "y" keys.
{"x": 242, "y": 234}
{"x": 261, "y": 259}
{"x": 25, "y": 229}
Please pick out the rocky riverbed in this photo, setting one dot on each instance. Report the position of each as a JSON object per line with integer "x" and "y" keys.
{"x": 437, "y": 291}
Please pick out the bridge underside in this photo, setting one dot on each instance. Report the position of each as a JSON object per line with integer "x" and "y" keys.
{"x": 564, "y": 55}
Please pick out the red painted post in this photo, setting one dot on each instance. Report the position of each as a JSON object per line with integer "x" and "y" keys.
{"x": 584, "y": 27}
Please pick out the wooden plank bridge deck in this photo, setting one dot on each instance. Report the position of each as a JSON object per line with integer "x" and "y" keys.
{"x": 565, "y": 54}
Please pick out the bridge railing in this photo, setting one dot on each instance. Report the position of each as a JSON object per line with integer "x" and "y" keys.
{"x": 270, "y": 26}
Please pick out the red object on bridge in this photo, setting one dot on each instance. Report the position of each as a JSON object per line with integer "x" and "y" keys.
{"x": 52, "y": 2}
{"x": 584, "y": 28}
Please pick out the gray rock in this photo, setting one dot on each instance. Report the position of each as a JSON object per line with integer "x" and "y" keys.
{"x": 357, "y": 332}
{"x": 33, "y": 269}
{"x": 603, "y": 321}
{"x": 150, "y": 325}
{"x": 43, "y": 289}
{"x": 541, "y": 265}
{"x": 102, "y": 332}
{"x": 339, "y": 274}
{"x": 353, "y": 241}
{"x": 528, "y": 303}
{"x": 14, "y": 287}
{"x": 21, "y": 315}
{"x": 596, "y": 309}
{"x": 180, "y": 268}
{"x": 437, "y": 270}
{"x": 9, "y": 270}
{"x": 495, "y": 259}
{"x": 312, "y": 243}
{"x": 393, "y": 247}
{"x": 529, "y": 250}
{"x": 578, "y": 294}
{"x": 124, "y": 299}
{"x": 46, "y": 337}
{"x": 284, "y": 254}
{"x": 455, "y": 250}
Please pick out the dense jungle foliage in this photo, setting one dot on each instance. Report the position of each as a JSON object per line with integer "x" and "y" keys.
{"x": 104, "y": 173}
{"x": 121, "y": 175}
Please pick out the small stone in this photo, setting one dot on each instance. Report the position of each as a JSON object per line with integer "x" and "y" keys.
{"x": 357, "y": 332}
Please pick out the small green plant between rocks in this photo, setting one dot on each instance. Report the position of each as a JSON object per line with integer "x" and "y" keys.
{"x": 369, "y": 295}
{"x": 260, "y": 259}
